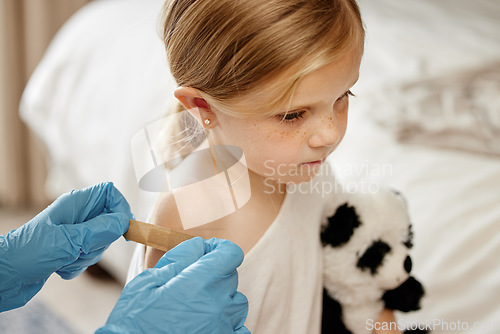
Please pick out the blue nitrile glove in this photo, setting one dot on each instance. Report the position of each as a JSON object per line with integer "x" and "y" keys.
{"x": 67, "y": 237}
{"x": 192, "y": 289}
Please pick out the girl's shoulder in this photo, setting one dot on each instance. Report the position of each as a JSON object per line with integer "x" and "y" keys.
{"x": 165, "y": 212}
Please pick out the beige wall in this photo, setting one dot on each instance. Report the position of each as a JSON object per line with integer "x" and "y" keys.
{"x": 26, "y": 28}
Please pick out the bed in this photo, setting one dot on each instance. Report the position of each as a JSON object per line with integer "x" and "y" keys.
{"x": 426, "y": 120}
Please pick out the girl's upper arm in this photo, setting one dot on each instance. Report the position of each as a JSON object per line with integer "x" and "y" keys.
{"x": 388, "y": 317}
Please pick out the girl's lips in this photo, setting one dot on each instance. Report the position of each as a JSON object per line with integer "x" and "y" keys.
{"x": 313, "y": 163}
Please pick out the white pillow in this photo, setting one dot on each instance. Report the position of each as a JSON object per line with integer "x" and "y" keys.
{"x": 431, "y": 71}
{"x": 458, "y": 111}
{"x": 412, "y": 40}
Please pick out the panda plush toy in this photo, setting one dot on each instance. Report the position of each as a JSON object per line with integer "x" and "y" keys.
{"x": 366, "y": 241}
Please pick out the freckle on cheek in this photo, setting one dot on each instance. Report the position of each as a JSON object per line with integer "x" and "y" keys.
{"x": 329, "y": 120}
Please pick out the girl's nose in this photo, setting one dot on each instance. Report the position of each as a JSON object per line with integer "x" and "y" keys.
{"x": 326, "y": 132}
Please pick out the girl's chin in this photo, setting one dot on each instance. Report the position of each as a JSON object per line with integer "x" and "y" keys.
{"x": 291, "y": 176}
{"x": 293, "y": 179}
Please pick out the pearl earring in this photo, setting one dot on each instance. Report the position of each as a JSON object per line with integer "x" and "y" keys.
{"x": 207, "y": 122}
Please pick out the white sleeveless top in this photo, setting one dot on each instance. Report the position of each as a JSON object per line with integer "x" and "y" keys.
{"x": 282, "y": 275}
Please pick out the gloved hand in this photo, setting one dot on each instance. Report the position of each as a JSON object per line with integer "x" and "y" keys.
{"x": 192, "y": 289}
{"x": 67, "y": 237}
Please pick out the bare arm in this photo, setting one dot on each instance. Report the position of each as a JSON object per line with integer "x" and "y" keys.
{"x": 165, "y": 214}
{"x": 387, "y": 323}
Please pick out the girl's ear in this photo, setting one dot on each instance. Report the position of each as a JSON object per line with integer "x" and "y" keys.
{"x": 196, "y": 105}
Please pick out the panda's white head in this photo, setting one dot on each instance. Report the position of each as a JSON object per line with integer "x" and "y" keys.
{"x": 366, "y": 239}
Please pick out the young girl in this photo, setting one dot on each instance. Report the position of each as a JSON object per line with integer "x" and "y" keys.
{"x": 272, "y": 77}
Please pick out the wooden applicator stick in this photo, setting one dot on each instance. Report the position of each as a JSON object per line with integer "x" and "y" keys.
{"x": 155, "y": 236}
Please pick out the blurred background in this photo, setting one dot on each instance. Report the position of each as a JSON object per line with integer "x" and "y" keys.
{"x": 27, "y": 27}
{"x": 81, "y": 305}
{"x": 426, "y": 120}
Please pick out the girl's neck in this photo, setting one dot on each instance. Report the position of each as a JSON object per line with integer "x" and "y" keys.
{"x": 267, "y": 190}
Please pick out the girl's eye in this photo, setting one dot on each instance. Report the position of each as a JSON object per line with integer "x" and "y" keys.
{"x": 291, "y": 117}
{"x": 347, "y": 94}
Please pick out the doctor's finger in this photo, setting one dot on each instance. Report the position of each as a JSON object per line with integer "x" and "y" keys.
{"x": 96, "y": 233}
{"x": 239, "y": 309}
{"x": 186, "y": 253}
{"x": 222, "y": 257}
{"x": 81, "y": 264}
{"x": 84, "y": 204}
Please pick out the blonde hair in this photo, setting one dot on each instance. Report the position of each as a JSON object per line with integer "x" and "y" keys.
{"x": 227, "y": 48}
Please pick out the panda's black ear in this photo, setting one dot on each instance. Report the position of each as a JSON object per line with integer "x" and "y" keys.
{"x": 373, "y": 256}
{"x": 340, "y": 226}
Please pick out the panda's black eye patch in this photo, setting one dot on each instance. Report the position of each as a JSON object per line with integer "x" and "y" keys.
{"x": 409, "y": 240}
{"x": 340, "y": 226}
{"x": 373, "y": 256}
